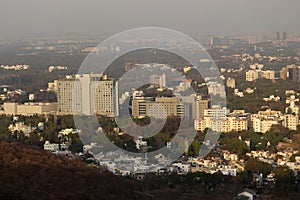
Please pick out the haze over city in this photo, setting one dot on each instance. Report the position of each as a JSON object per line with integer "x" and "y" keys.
{"x": 106, "y": 17}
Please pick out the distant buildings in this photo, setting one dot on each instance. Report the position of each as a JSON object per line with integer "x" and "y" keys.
{"x": 284, "y": 73}
{"x": 238, "y": 93}
{"x": 278, "y": 36}
{"x": 294, "y": 73}
{"x": 158, "y": 80}
{"x": 272, "y": 98}
{"x": 29, "y": 109}
{"x": 15, "y": 67}
{"x": 20, "y": 127}
{"x": 292, "y": 108}
{"x": 252, "y": 75}
{"x": 230, "y": 83}
{"x": 268, "y": 74}
{"x": 87, "y": 94}
{"x": 54, "y": 147}
{"x": 284, "y": 36}
{"x": 52, "y": 68}
{"x": 52, "y": 86}
{"x": 129, "y": 66}
{"x": 290, "y": 72}
{"x": 216, "y": 88}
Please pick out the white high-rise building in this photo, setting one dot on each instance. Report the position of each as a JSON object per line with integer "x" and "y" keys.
{"x": 87, "y": 94}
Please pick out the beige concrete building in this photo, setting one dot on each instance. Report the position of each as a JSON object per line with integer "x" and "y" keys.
{"x": 251, "y": 75}
{"x": 87, "y": 94}
{"x": 268, "y": 74}
{"x": 264, "y": 120}
{"x": 284, "y": 73}
{"x": 201, "y": 105}
{"x": 158, "y": 108}
{"x": 29, "y": 109}
{"x": 262, "y": 125}
{"x": 291, "y": 121}
{"x": 232, "y": 122}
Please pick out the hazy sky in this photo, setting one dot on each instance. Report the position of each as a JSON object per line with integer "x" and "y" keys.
{"x": 103, "y": 17}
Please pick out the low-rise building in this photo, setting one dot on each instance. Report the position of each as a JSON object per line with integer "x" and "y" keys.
{"x": 29, "y": 109}
{"x": 20, "y": 127}
{"x": 54, "y": 147}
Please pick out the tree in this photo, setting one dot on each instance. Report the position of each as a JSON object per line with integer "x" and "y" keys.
{"x": 256, "y": 166}
{"x": 285, "y": 180}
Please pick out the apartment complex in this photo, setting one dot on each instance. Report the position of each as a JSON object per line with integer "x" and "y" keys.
{"x": 159, "y": 107}
{"x": 264, "y": 120}
{"x": 87, "y": 94}
{"x": 219, "y": 119}
{"x": 253, "y": 75}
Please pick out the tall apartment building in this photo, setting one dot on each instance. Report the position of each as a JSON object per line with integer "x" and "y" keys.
{"x": 291, "y": 121}
{"x": 201, "y": 105}
{"x": 251, "y": 75}
{"x": 87, "y": 94}
{"x": 284, "y": 73}
{"x": 268, "y": 74}
{"x": 160, "y": 107}
{"x": 290, "y": 72}
{"x": 294, "y": 73}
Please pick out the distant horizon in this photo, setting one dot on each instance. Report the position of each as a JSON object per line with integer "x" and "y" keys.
{"x": 83, "y": 35}
{"x": 34, "y": 18}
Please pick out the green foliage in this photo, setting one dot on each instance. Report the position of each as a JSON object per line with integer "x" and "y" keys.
{"x": 76, "y": 145}
{"x": 256, "y": 166}
{"x": 264, "y": 88}
{"x": 285, "y": 180}
{"x": 231, "y": 143}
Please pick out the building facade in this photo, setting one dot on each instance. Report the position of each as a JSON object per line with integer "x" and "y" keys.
{"x": 87, "y": 94}
{"x": 29, "y": 109}
{"x": 158, "y": 108}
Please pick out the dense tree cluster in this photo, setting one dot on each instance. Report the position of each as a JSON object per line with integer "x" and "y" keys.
{"x": 30, "y": 173}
